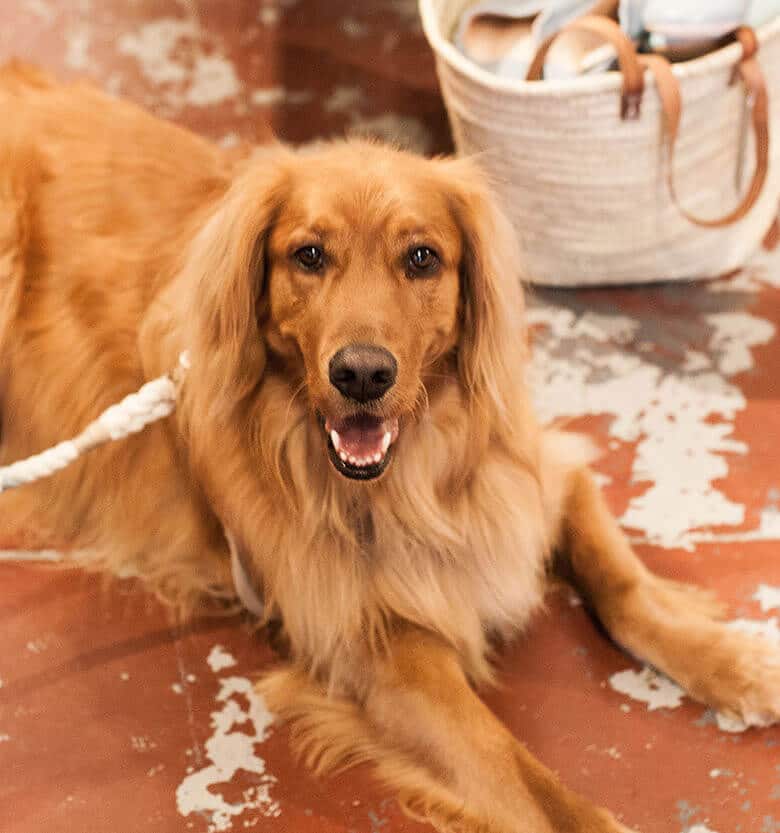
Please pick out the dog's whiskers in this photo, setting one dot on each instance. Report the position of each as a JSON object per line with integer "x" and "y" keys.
{"x": 292, "y": 399}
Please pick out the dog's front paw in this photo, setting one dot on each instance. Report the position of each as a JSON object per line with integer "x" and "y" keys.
{"x": 744, "y": 685}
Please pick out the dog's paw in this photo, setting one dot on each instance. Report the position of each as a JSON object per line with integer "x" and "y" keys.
{"x": 744, "y": 685}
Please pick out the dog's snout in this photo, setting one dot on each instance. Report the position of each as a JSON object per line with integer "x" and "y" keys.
{"x": 363, "y": 372}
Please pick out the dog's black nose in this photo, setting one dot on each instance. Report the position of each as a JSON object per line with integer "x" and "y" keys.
{"x": 363, "y": 371}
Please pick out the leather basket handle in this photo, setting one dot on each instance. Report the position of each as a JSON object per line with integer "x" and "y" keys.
{"x": 749, "y": 70}
{"x": 632, "y": 67}
{"x": 628, "y": 60}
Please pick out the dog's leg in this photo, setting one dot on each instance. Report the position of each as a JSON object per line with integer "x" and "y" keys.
{"x": 433, "y": 740}
{"x": 670, "y": 625}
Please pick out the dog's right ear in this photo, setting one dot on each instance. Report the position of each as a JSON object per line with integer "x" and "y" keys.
{"x": 225, "y": 278}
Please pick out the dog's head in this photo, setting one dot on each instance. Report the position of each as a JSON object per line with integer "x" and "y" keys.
{"x": 368, "y": 277}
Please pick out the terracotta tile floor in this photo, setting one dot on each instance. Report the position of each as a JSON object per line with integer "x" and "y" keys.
{"x": 112, "y": 718}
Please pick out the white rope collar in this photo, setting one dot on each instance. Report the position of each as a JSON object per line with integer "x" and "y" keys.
{"x": 155, "y": 401}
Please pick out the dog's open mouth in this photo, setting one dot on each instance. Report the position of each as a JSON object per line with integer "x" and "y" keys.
{"x": 360, "y": 446}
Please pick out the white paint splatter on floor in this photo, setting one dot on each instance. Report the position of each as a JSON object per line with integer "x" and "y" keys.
{"x": 699, "y": 828}
{"x": 78, "y": 40}
{"x": 214, "y": 80}
{"x": 768, "y": 597}
{"x": 648, "y": 686}
{"x": 682, "y": 422}
{"x": 179, "y": 57}
{"x": 142, "y": 744}
{"x": 277, "y": 95}
{"x": 219, "y": 658}
{"x": 154, "y": 46}
{"x": 230, "y": 750}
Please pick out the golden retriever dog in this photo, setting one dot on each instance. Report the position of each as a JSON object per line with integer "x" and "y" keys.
{"x": 355, "y": 418}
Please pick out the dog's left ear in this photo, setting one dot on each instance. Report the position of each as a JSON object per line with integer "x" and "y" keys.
{"x": 493, "y": 341}
{"x": 225, "y": 276}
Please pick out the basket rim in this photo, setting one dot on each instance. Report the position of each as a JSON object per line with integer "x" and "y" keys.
{"x": 584, "y": 85}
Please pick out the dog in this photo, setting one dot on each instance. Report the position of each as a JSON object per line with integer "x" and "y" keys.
{"x": 355, "y": 419}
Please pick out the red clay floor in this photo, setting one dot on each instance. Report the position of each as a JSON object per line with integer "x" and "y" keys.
{"x": 114, "y": 718}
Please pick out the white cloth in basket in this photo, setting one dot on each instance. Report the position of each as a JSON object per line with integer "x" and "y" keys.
{"x": 503, "y": 35}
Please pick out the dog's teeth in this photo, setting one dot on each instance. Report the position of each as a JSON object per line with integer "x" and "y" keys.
{"x": 343, "y": 455}
{"x": 377, "y": 457}
{"x": 335, "y": 439}
{"x": 386, "y": 440}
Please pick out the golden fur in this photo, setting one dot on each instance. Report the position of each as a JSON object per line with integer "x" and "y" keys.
{"x": 124, "y": 240}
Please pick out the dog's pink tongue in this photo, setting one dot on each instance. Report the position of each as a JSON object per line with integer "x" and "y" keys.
{"x": 361, "y": 436}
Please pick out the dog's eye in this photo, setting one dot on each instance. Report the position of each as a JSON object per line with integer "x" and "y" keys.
{"x": 310, "y": 258}
{"x": 422, "y": 260}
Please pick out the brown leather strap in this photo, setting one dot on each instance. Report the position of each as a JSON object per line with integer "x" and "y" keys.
{"x": 749, "y": 71}
{"x": 632, "y": 70}
{"x": 772, "y": 237}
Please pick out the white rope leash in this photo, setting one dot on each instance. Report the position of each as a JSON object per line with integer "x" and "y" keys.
{"x": 153, "y": 402}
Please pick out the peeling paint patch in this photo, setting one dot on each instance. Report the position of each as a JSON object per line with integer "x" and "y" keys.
{"x": 230, "y": 751}
{"x": 219, "y": 659}
{"x": 768, "y": 597}
{"x": 275, "y": 96}
{"x": 77, "y": 42}
{"x": 700, "y": 828}
{"x": 154, "y": 45}
{"x": 142, "y": 744}
{"x": 648, "y": 686}
{"x": 685, "y": 415}
{"x": 734, "y": 334}
{"x": 214, "y": 81}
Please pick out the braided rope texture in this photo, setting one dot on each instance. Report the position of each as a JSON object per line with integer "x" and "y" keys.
{"x": 154, "y": 401}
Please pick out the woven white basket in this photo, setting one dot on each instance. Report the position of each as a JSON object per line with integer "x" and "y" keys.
{"x": 586, "y": 190}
